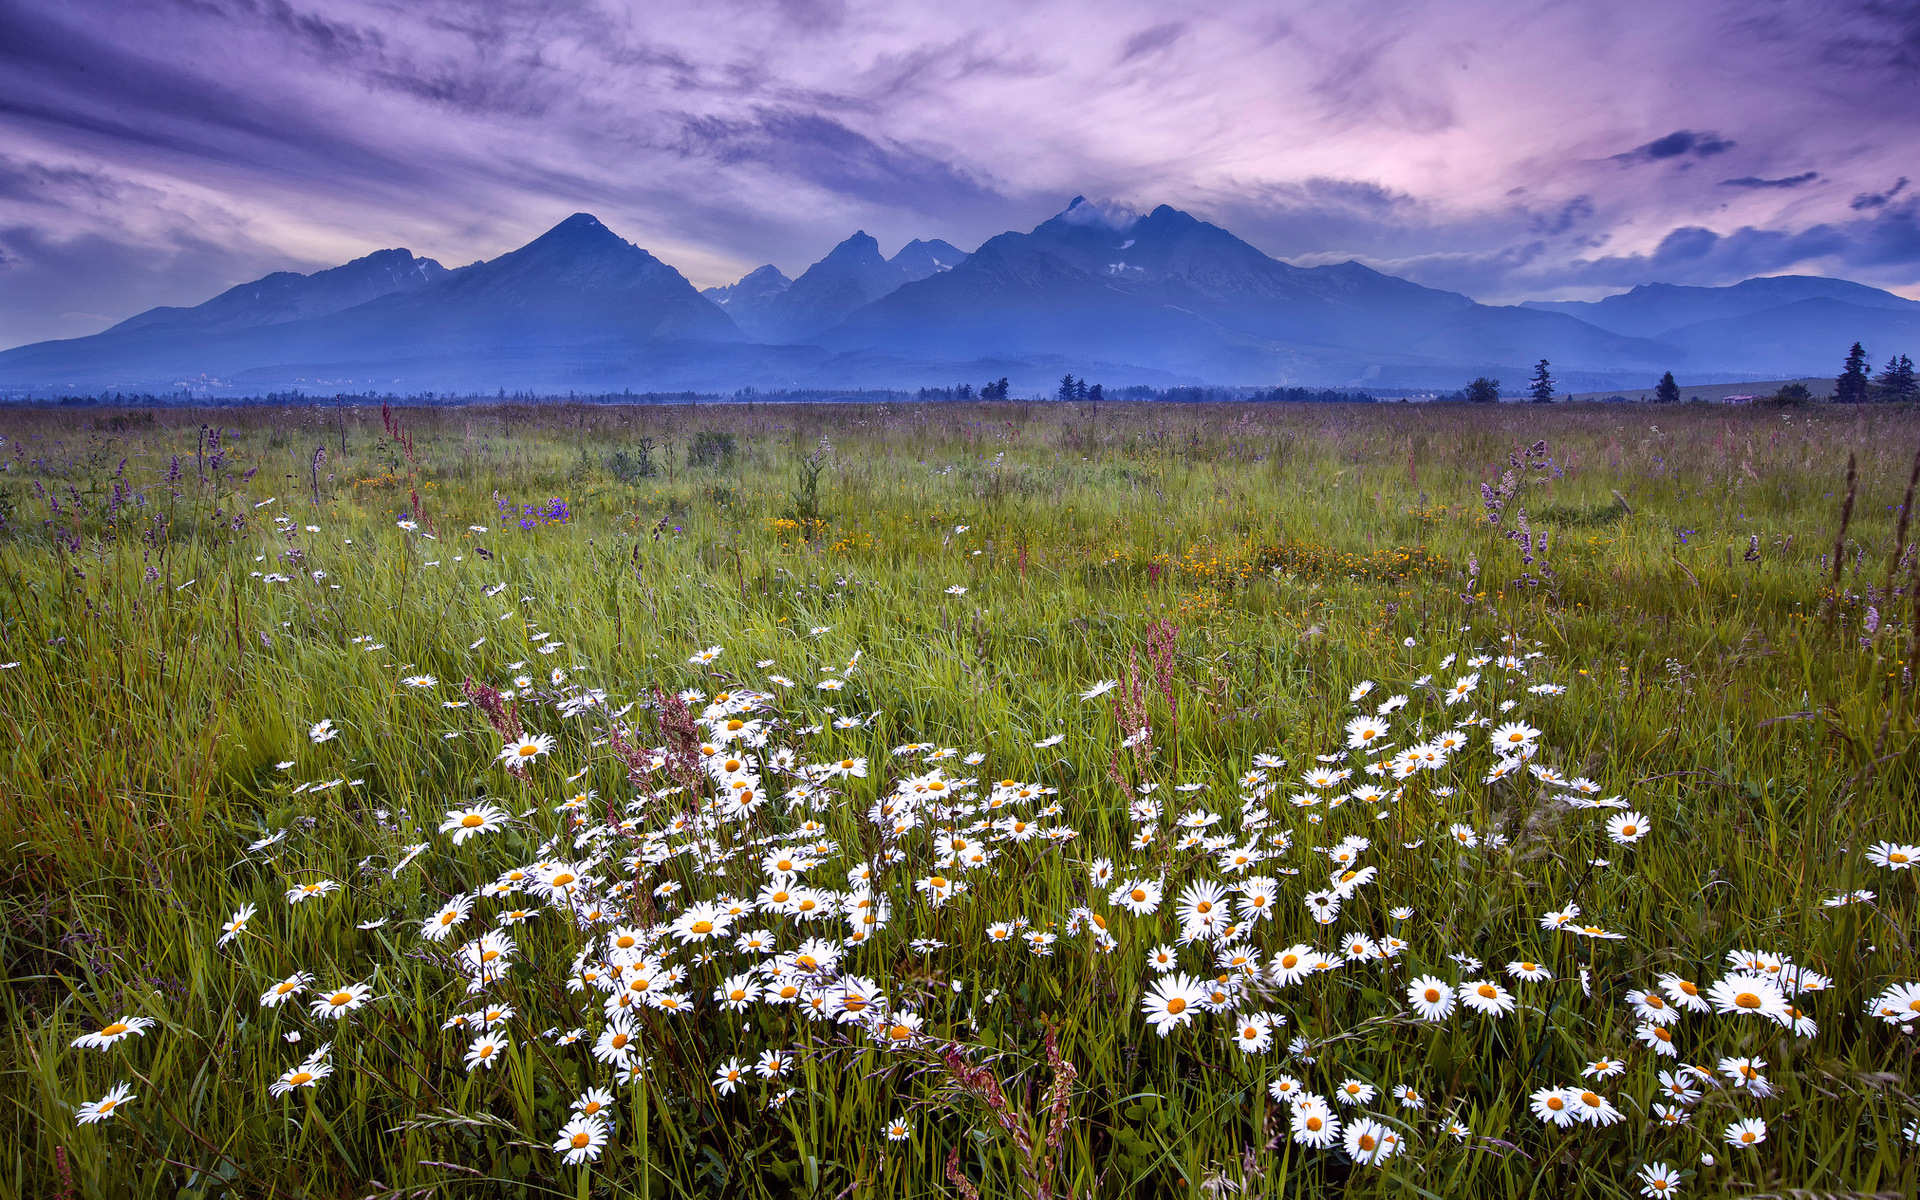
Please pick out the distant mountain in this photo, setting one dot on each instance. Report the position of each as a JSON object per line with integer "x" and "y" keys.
{"x": 576, "y": 299}
{"x": 1169, "y": 291}
{"x": 752, "y": 290}
{"x": 1651, "y": 309}
{"x": 1805, "y": 338}
{"x": 287, "y": 296}
{"x": 852, "y": 274}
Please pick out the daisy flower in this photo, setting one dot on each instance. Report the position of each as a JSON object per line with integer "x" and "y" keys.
{"x": 1743, "y": 994}
{"x": 1355, "y": 1091}
{"x": 120, "y": 1030}
{"x": 1684, "y": 993}
{"x": 898, "y": 1130}
{"x": 1315, "y": 1125}
{"x": 1896, "y": 856}
{"x": 95, "y": 1111}
{"x": 451, "y": 915}
{"x": 522, "y": 749}
{"x": 1486, "y": 998}
{"x": 237, "y": 925}
{"x": 1528, "y": 972}
{"x": 1253, "y": 1034}
{"x": 1370, "y": 1143}
{"x": 1591, "y": 1108}
{"x": 301, "y": 892}
{"x": 1431, "y": 997}
{"x": 1745, "y": 1134}
{"x": 307, "y": 1074}
{"x": 339, "y": 1003}
{"x": 1627, "y": 828}
{"x": 1553, "y": 1107}
{"x": 581, "y": 1139}
{"x": 292, "y": 985}
{"x": 727, "y": 1076}
{"x": 464, "y": 823}
{"x": 1658, "y": 1180}
{"x": 1171, "y": 1001}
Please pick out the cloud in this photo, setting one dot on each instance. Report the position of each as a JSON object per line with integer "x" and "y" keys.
{"x": 1675, "y": 145}
{"x": 1150, "y": 39}
{"x": 1866, "y": 200}
{"x": 1754, "y": 181}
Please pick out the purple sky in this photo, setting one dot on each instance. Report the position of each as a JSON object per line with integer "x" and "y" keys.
{"x": 157, "y": 152}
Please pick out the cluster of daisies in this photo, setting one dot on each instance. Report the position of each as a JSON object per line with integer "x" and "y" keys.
{"x": 758, "y": 873}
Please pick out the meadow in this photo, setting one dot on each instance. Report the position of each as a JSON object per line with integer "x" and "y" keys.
{"x": 989, "y": 800}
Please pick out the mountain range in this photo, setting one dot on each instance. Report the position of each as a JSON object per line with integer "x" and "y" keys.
{"x": 1096, "y": 290}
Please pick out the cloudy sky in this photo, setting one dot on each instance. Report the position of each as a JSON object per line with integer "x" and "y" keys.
{"x": 158, "y": 151}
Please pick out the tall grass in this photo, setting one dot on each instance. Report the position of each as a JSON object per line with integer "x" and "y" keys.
{"x": 1738, "y": 667}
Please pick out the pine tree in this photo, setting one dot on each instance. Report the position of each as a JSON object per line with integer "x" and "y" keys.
{"x": 1080, "y": 389}
{"x": 1066, "y": 387}
{"x": 1668, "y": 392}
{"x": 1851, "y": 386}
{"x": 1896, "y": 382}
{"x": 1541, "y": 386}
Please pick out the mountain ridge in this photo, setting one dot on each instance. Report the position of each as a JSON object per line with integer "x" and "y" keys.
{"x": 1160, "y": 295}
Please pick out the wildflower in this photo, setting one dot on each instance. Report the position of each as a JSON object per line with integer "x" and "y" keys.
{"x": 1553, "y": 1107}
{"x": 292, "y": 985}
{"x": 322, "y": 731}
{"x": 337, "y": 1004}
{"x": 524, "y": 748}
{"x": 237, "y": 925}
{"x": 116, "y": 1031}
{"x": 1355, "y": 1091}
{"x": 1253, "y": 1034}
{"x": 1593, "y": 1109}
{"x": 1370, "y": 1143}
{"x": 1627, "y": 828}
{"x": 1747, "y": 1133}
{"x": 1431, "y": 997}
{"x": 1684, "y": 993}
{"x": 1659, "y": 1180}
{"x": 1529, "y": 972}
{"x": 307, "y": 1074}
{"x": 464, "y": 823}
{"x": 95, "y": 1111}
{"x": 898, "y": 1130}
{"x": 1657, "y": 1038}
{"x": 451, "y": 915}
{"x": 1315, "y": 1125}
{"x": 1746, "y": 994}
{"x": 727, "y": 1076}
{"x": 1100, "y": 689}
{"x": 1171, "y": 1002}
{"x": 1515, "y": 737}
{"x": 1896, "y": 856}
{"x": 306, "y": 891}
{"x": 581, "y": 1140}
{"x": 1486, "y": 998}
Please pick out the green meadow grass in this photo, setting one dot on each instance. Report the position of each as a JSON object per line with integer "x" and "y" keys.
{"x": 1727, "y": 673}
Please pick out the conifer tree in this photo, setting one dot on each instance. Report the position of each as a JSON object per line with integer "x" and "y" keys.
{"x": 1851, "y": 386}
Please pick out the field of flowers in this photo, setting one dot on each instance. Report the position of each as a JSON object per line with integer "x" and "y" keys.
{"x": 954, "y": 800}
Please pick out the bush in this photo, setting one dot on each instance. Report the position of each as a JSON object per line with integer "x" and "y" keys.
{"x": 630, "y": 468}
{"x": 1792, "y": 393}
{"x": 711, "y": 448}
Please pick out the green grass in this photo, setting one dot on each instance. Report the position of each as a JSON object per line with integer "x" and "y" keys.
{"x": 1715, "y": 677}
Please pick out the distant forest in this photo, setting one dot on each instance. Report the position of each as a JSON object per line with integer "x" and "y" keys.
{"x": 992, "y": 391}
